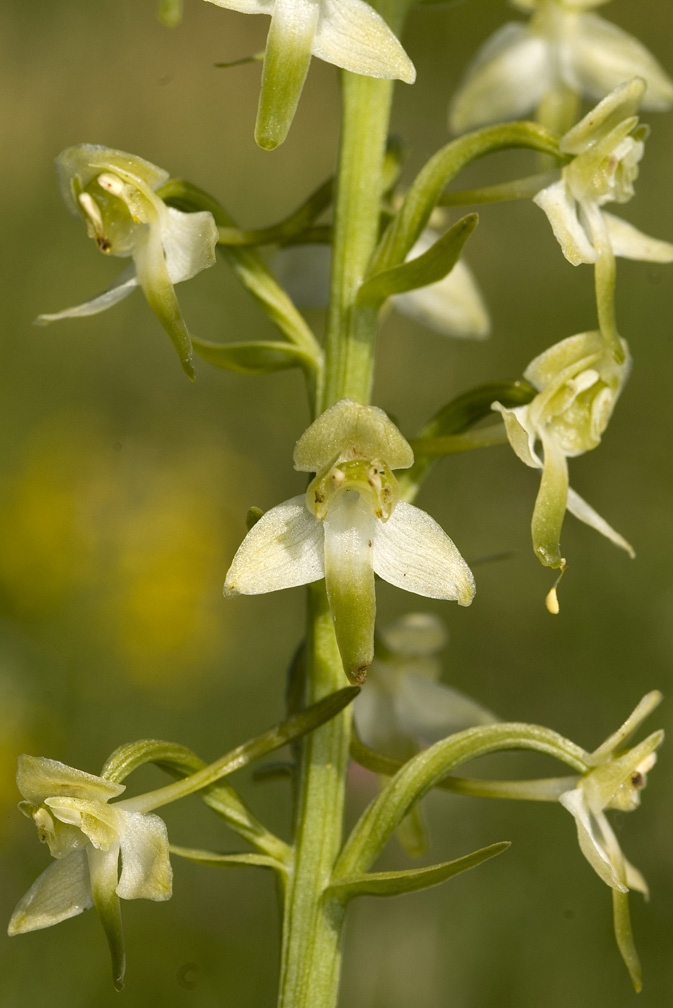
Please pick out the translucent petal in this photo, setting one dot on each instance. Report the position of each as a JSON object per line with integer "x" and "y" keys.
{"x": 38, "y": 778}
{"x": 283, "y": 549}
{"x": 604, "y": 56}
{"x": 122, "y": 287}
{"x": 630, "y": 243}
{"x": 412, "y": 552}
{"x": 622, "y": 103}
{"x": 508, "y": 77}
{"x": 348, "y": 431}
{"x": 550, "y": 505}
{"x": 579, "y": 507}
{"x": 146, "y": 869}
{"x": 452, "y": 306}
{"x": 520, "y": 433}
{"x": 86, "y": 161}
{"x": 354, "y": 37}
{"x": 589, "y": 842}
{"x": 189, "y": 241}
{"x": 429, "y": 711}
{"x": 246, "y": 6}
{"x": 60, "y": 892}
{"x": 561, "y": 210}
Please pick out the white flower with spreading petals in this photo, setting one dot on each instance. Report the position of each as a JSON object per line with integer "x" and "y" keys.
{"x": 88, "y": 837}
{"x": 348, "y": 33}
{"x": 615, "y": 782}
{"x": 607, "y": 146}
{"x": 349, "y": 526}
{"x": 579, "y": 382}
{"x": 561, "y": 49}
{"x": 404, "y": 706}
{"x": 115, "y": 193}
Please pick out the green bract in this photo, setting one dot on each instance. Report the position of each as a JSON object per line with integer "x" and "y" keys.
{"x": 607, "y": 146}
{"x": 349, "y": 526}
{"x": 561, "y": 49}
{"x": 115, "y": 194}
{"x": 579, "y": 382}
{"x": 348, "y": 33}
{"x": 88, "y": 837}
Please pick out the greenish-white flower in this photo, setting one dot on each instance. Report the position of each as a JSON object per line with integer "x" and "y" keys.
{"x": 615, "y": 782}
{"x": 348, "y": 526}
{"x": 115, "y": 194}
{"x": 579, "y": 382}
{"x": 348, "y": 33}
{"x": 103, "y": 853}
{"x": 606, "y": 147}
{"x": 561, "y": 49}
{"x": 404, "y": 706}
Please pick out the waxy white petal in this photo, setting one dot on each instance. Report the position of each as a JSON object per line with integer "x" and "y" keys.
{"x": 507, "y": 79}
{"x": 411, "y": 551}
{"x": 284, "y": 549}
{"x": 349, "y": 430}
{"x": 561, "y": 210}
{"x": 124, "y": 285}
{"x": 591, "y": 844}
{"x": 630, "y": 243}
{"x": 521, "y": 433}
{"x": 604, "y": 56}
{"x": 146, "y": 869}
{"x": 579, "y": 507}
{"x": 188, "y": 241}
{"x": 38, "y": 778}
{"x": 354, "y": 37}
{"x": 60, "y": 892}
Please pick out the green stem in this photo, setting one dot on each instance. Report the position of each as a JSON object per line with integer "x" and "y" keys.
{"x": 310, "y": 956}
{"x": 351, "y": 331}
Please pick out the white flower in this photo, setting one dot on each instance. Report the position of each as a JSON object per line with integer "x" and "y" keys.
{"x": 615, "y": 782}
{"x": 115, "y": 193}
{"x": 579, "y": 382}
{"x": 562, "y": 48}
{"x": 348, "y": 33}
{"x": 349, "y": 526}
{"x": 87, "y": 837}
{"x": 607, "y": 146}
{"x": 404, "y": 706}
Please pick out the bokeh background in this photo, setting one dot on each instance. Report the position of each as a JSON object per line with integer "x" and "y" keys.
{"x": 123, "y": 491}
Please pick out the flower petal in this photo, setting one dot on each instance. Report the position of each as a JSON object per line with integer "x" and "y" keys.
{"x": 603, "y": 56}
{"x": 520, "y": 432}
{"x": 429, "y": 711}
{"x": 509, "y": 75}
{"x": 189, "y": 241}
{"x": 413, "y": 552}
{"x": 561, "y": 210}
{"x": 579, "y": 507}
{"x": 60, "y": 892}
{"x": 630, "y": 243}
{"x": 550, "y": 505}
{"x": 349, "y": 431}
{"x": 353, "y": 36}
{"x": 283, "y": 549}
{"x": 146, "y": 869}
{"x": 590, "y": 845}
{"x": 38, "y": 778}
{"x": 124, "y": 285}
{"x": 103, "y": 867}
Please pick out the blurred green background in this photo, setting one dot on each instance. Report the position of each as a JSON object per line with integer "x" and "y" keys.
{"x": 123, "y": 491}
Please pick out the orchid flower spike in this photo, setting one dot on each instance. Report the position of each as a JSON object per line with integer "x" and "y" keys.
{"x": 348, "y": 526}
{"x": 579, "y": 383}
{"x": 87, "y": 837}
{"x": 115, "y": 194}
{"x": 615, "y": 782}
{"x": 404, "y": 707}
{"x": 606, "y": 147}
{"x": 563, "y": 53}
{"x": 348, "y": 33}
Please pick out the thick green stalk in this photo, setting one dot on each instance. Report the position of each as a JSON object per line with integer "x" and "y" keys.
{"x": 311, "y": 946}
{"x": 351, "y": 331}
{"x": 310, "y": 956}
